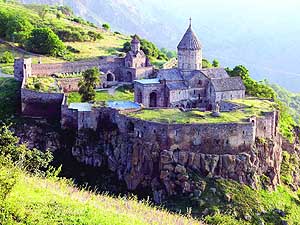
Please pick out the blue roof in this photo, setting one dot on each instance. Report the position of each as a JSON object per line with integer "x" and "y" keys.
{"x": 148, "y": 81}
{"x": 123, "y": 105}
{"x": 81, "y": 107}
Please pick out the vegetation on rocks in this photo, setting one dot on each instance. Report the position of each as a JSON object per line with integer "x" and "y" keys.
{"x": 31, "y": 193}
{"x": 9, "y": 98}
{"x": 227, "y": 202}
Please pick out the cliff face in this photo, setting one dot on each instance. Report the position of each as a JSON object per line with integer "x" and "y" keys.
{"x": 143, "y": 162}
{"x": 169, "y": 172}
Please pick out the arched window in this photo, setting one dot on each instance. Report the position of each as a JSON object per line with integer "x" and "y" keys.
{"x": 110, "y": 77}
{"x": 139, "y": 97}
{"x": 153, "y": 99}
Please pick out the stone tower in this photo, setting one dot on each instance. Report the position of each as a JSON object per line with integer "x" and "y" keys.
{"x": 135, "y": 44}
{"x": 189, "y": 51}
{"x": 22, "y": 67}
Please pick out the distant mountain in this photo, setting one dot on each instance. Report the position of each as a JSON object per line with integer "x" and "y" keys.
{"x": 261, "y": 35}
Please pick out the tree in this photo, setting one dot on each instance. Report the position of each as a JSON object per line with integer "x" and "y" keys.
{"x": 12, "y": 152}
{"x": 45, "y": 41}
{"x": 88, "y": 84}
{"x": 206, "y": 63}
{"x": 239, "y": 71}
{"x": 7, "y": 57}
{"x": 215, "y": 63}
{"x": 106, "y": 26}
{"x": 18, "y": 29}
{"x": 253, "y": 88}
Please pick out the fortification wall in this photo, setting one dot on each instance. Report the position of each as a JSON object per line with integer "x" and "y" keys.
{"x": 162, "y": 156}
{"x": 105, "y": 63}
{"x": 38, "y": 104}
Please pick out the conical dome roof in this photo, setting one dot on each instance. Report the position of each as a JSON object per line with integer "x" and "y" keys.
{"x": 189, "y": 41}
{"x": 135, "y": 39}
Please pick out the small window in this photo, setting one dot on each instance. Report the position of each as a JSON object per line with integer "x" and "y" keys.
{"x": 200, "y": 82}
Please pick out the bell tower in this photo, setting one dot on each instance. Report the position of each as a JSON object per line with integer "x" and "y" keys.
{"x": 189, "y": 51}
{"x": 135, "y": 44}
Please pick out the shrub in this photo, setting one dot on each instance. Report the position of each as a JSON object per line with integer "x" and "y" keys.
{"x": 18, "y": 29}
{"x": 45, "y": 41}
{"x": 94, "y": 35}
{"x": 7, "y": 57}
{"x": 106, "y": 26}
{"x": 32, "y": 160}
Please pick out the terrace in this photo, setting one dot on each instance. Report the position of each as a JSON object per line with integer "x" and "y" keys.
{"x": 249, "y": 107}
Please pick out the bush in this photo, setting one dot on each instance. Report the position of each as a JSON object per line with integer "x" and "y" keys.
{"x": 45, "y": 41}
{"x": 7, "y": 57}
{"x": 32, "y": 160}
{"x": 94, "y": 35}
{"x": 17, "y": 28}
{"x": 106, "y": 26}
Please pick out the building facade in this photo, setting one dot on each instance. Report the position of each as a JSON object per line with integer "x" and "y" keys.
{"x": 189, "y": 85}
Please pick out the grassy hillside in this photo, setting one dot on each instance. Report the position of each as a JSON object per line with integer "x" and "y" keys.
{"x": 108, "y": 43}
{"x": 291, "y": 100}
{"x": 35, "y": 200}
{"x": 81, "y": 38}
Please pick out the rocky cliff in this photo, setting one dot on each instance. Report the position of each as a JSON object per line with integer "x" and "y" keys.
{"x": 142, "y": 163}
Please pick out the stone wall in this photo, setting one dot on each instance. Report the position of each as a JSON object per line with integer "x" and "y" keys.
{"x": 37, "y": 104}
{"x": 143, "y": 92}
{"x": 104, "y": 63}
{"x": 189, "y": 59}
{"x": 69, "y": 84}
{"x": 164, "y": 156}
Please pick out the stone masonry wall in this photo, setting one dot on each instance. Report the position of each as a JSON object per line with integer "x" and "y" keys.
{"x": 164, "y": 156}
{"x": 37, "y": 104}
{"x": 104, "y": 63}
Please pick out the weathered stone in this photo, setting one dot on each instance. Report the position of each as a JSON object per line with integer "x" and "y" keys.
{"x": 180, "y": 169}
{"x": 166, "y": 157}
{"x": 183, "y": 158}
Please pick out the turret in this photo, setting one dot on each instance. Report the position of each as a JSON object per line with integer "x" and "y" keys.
{"x": 135, "y": 44}
{"x": 189, "y": 51}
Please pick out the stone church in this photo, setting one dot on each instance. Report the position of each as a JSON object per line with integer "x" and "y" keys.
{"x": 189, "y": 85}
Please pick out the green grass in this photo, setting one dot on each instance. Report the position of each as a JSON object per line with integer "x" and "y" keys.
{"x": 233, "y": 201}
{"x": 121, "y": 94}
{"x": 9, "y": 97}
{"x": 35, "y": 200}
{"x": 252, "y": 107}
{"x": 42, "y": 84}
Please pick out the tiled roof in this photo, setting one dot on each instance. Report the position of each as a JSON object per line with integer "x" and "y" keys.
{"x": 215, "y": 73}
{"x": 169, "y": 74}
{"x": 228, "y": 84}
{"x": 189, "y": 41}
{"x": 176, "y": 86}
